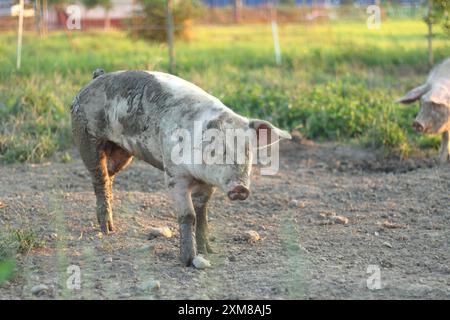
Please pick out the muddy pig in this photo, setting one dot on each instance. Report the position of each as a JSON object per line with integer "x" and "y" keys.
{"x": 434, "y": 112}
{"x": 135, "y": 113}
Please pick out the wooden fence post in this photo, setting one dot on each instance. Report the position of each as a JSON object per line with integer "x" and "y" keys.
{"x": 169, "y": 25}
{"x": 19, "y": 35}
{"x": 276, "y": 40}
{"x": 430, "y": 33}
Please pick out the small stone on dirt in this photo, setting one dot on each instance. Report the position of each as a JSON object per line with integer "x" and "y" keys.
{"x": 387, "y": 244}
{"x": 201, "y": 263}
{"x": 251, "y": 236}
{"x": 340, "y": 219}
{"x": 297, "y": 204}
{"x": 159, "y": 232}
{"x": 391, "y": 225}
{"x": 39, "y": 289}
{"x": 331, "y": 218}
{"x": 327, "y": 215}
{"x": 149, "y": 285}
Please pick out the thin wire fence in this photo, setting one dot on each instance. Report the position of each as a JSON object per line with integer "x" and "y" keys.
{"x": 128, "y": 15}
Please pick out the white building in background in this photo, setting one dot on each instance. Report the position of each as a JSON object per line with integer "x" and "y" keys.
{"x": 27, "y": 12}
{"x": 5, "y": 8}
{"x": 95, "y": 17}
{"x": 10, "y": 8}
{"x": 121, "y": 9}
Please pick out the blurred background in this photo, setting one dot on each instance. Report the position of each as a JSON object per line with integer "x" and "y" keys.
{"x": 327, "y": 70}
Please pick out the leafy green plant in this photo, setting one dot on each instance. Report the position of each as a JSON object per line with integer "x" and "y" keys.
{"x": 27, "y": 240}
{"x": 440, "y": 14}
{"x": 153, "y": 24}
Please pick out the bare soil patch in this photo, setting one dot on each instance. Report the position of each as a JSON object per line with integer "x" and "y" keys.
{"x": 397, "y": 217}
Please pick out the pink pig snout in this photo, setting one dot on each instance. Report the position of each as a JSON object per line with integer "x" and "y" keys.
{"x": 418, "y": 127}
{"x": 238, "y": 193}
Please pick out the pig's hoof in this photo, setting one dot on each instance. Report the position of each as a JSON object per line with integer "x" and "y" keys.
{"x": 187, "y": 261}
{"x": 107, "y": 227}
{"x": 210, "y": 249}
{"x": 187, "y": 258}
{"x": 205, "y": 248}
{"x": 111, "y": 226}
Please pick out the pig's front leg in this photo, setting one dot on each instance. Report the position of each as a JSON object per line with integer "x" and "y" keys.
{"x": 444, "y": 155}
{"x": 201, "y": 194}
{"x": 180, "y": 188}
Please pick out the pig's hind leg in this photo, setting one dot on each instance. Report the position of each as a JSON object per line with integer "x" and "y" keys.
{"x": 201, "y": 194}
{"x": 444, "y": 155}
{"x": 94, "y": 155}
{"x": 118, "y": 159}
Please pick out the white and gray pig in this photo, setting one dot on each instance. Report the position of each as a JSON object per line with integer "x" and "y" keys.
{"x": 434, "y": 113}
{"x": 134, "y": 113}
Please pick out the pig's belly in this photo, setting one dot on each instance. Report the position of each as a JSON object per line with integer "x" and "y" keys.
{"x": 144, "y": 148}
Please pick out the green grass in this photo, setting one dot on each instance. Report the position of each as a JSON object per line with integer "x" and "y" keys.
{"x": 27, "y": 240}
{"x": 338, "y": 81}
{"x": 19, "y": 240}
{"x": 13, "y": 241}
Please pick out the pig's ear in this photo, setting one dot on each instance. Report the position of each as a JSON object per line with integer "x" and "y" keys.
{"x": 259, "y": 125}
{"x": 441, "y": 95}
{"x": 414, "y": 94}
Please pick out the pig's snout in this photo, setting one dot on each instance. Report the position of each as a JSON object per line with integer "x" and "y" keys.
{"x": 238, "y": 193}
{"x": 418, "y": 127}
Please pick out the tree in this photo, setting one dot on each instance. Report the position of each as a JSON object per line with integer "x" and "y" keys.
{"x": 154, "y": 14}
{"x": 105, "y": 4}
{"x": 43, "y": 11}
{"x": 437, "y": 13}
{"x": 442, "y": 8}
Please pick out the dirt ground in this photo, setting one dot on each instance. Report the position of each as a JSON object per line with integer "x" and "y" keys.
{"x": 398, "y": 223}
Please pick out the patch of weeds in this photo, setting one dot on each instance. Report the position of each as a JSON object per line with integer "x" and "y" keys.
{"x": 8, "y": 246}
{"x": 429, "y": 142}
{"x": 65, "y": 157}
{"x": 390, "y": 137}
{"x": 27, "y": 240}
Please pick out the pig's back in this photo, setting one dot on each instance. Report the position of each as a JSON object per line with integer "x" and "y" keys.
{"x": 441, "y": 71}
{"x": 128, "y": 102}
{"x": 133, "y": 108}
